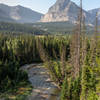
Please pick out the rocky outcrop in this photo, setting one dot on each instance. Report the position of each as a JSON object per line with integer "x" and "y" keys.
{"x": 65, "y": 10}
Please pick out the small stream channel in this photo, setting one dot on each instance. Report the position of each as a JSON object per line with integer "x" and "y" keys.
{"x": 44, "y": 87}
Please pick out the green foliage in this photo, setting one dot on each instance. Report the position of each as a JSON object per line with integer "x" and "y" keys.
{"x": 64, "y": 90}
{"x": 58, "y": 27}
{"x": 19, "y": 50}
{"x": 88, "y": 82}
{"x": 92, "y": 96}
{"x": 76, "y": 89}
{"x": 16, "y": 29}
{"x": 11, "y": 75}
{"x": 71, "y": 89}
{"x": 57, "y": 69}
{"x": 24, "y": 48}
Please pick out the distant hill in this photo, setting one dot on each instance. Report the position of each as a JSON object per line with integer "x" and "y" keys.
{"x": 18, "y": 14}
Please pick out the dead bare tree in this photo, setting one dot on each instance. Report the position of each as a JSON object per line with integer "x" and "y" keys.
{"x": 78, "y": 42}
{"x": 63, "y": 59}
{"x": 83, "y": 42}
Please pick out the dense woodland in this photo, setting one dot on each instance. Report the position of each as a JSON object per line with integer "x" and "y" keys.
{"x": 16, "y": 51}
{"x": 53, "y": 28}
{"x": 60, "y": 27}
{"x": 58, "y": 54}
{"x": 15, "y": 28}
{"x": 78, "y": 81}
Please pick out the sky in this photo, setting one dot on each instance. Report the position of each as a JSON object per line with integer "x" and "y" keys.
{"x": 43, "y": 5}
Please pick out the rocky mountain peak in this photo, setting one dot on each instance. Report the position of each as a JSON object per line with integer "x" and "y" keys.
{"x": 59, "y": 5}
{"x": 62, "y": 2}
{"x": 64, "y": 10}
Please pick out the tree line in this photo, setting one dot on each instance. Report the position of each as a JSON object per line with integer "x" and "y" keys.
{"x": 15, "y": 28}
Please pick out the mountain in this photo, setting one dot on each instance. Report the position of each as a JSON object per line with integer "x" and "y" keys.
{"x": 64, "y": 10}
{"x": 93, "y": 14}
{"x": 18, "y": 14}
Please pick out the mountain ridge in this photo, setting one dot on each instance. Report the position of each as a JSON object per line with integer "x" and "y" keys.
{"x": 62, "y": 10}
{"x": 93, "y": 13}
{"x": 19, "y": 14}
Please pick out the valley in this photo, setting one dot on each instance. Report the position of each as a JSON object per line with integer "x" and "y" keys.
{"x": 50, "y": 56}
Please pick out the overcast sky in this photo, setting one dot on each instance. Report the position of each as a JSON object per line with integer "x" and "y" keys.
{"x": 43, "y": 5}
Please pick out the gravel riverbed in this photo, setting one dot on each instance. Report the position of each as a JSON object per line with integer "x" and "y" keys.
{"x": 44, "y": 87}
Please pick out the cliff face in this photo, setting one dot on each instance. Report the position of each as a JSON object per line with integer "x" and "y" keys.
{"x": 64, "y": 10}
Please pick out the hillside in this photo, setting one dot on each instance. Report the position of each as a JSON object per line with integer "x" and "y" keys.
{"x": 18, "y": 14}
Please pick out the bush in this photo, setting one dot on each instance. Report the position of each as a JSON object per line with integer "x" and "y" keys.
{"x": 11, "y": 75}
{"x": 64, "y": 90}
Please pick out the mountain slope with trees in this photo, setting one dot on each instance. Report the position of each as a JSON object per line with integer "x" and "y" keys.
{"x": 18, "y": 14}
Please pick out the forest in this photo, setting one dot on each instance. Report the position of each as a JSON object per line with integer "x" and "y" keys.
{"x": 59, "y": 56}
{"x": 16, "y": 28}
{"x": 64, "y": 28}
